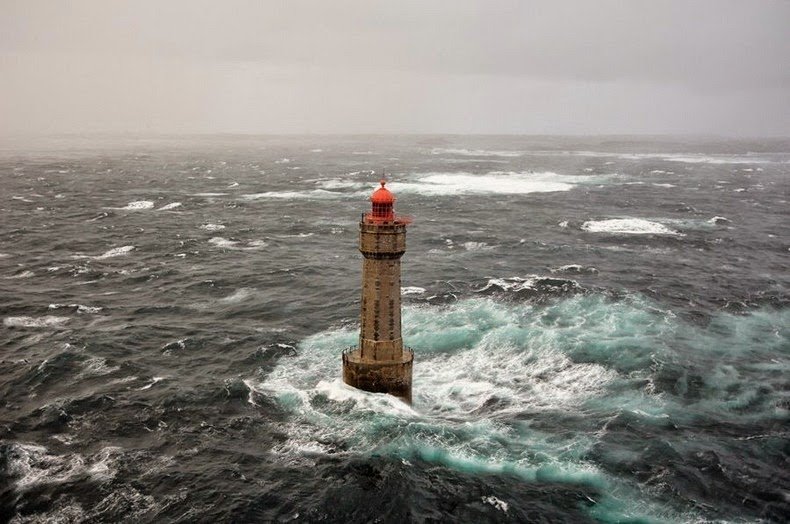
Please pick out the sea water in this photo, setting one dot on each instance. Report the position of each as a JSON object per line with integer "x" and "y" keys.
{"x": 601, "y": 330}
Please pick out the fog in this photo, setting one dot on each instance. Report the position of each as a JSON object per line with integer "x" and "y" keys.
{"x": 560, "y": 67}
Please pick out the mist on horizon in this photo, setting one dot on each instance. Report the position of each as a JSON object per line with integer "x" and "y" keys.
{"x": 354, "y": 67}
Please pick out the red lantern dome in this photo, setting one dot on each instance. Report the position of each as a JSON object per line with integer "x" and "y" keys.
{"x": 382, "y": 195}
{"x": 383, "y": 204}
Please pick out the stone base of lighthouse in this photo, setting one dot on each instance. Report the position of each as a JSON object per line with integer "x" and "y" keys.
{"x": 379, "y": 376}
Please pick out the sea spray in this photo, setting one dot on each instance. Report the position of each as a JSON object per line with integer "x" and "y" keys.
{"x": 481, "y": 362}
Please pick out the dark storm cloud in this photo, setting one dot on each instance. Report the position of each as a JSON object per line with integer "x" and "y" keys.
{"x": 317, "y": 66}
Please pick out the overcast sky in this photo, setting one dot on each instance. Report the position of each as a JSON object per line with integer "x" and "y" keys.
{"x": 401, "y": 66}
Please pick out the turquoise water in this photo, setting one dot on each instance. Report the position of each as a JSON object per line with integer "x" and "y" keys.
{"x": 544, "y": 392}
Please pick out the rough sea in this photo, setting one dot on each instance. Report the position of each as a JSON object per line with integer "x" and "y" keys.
{"x": 601, "y": 330}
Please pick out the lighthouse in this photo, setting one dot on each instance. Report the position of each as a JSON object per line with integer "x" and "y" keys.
{"x": 380, "y": 363}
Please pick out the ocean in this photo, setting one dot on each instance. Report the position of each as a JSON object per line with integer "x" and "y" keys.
{"x": 601, "y": 330}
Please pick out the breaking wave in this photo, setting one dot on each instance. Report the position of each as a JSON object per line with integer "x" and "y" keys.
{"x": 32, "y": 465}
{"x": 574, "y": 268}
{"x": 628, "y": 226}
{"x": 115, "y": 252}
{"x": 437, "y": 184}
{"x": 35, "y": 322}
{"x": 78, "y": 307}
{"x": 237, "y": 244}
{"x": 138, "y": 205}
{"x": 442, "y": 184}
{"x": 483, "y": 366}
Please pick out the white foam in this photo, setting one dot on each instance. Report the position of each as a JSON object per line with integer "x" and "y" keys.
{"x": 718, "y": 220}
{"x": 628, "y": 226}
{"x": 297, "y": 235}
{"x": 337, "y": 183}
{"x": 282, "y": 161}
{"x": 35, "y": 322}
{"x": 481, "y": 363}
{"x": 97, "y": 366}
{"x": 234, "y": 184}
{"x": 237, "y": 244}
{"x": 115, "y": 252}
{"x": 314, "y": 194}
{"x": 573, "y": 268}
{"x": 208, "y": 195}
{"x": 21, "y": 199}
{"x": 532, "y": 282}
{"x": 541, "y": 378}
{"x": 67, "y": 440}
{"x": 451, "y": 383}
{"x": 497, "y": 503}
{"x": 138, "y": 205}
{"x": 497, "y": 182}
{"x": 224, "y": 242}
{"x": 475, "y": 152}
{"x": 439, "y": 184}
{"x": 663, "y": 185}
{"x": 412, "y": 290}
{"x": 178, "y": 344}
{"x": 32, "y": 465}
{"x": 250, "y": 386}
{"x": 212, "y": 227}
{"x": 153, "y": 381}
{"x": 168, "y": 207}
{"x": 476, "y": 246}
{"x": 338, "y": 391}
{"x": 123, "y": 380}
{"x": 4, "y": 255}
{"x": 103, "y": 468}
{"x": 80, "y": 308}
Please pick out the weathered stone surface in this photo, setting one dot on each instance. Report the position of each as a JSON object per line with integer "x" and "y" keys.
{"x": 380, "y": 363}
{"x": 382, "y": 239}
{"x": 392, "y": 377}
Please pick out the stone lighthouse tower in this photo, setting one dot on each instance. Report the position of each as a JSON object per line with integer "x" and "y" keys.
{"x": 380, "y": 363}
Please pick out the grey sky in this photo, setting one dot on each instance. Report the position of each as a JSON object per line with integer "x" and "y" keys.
{"x": 369, "y": 66}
